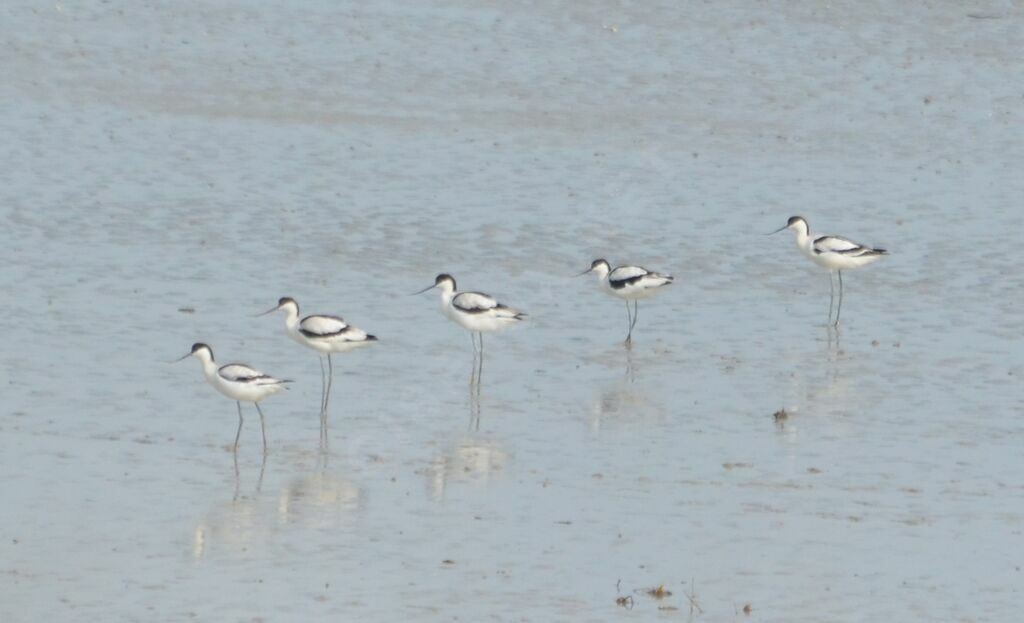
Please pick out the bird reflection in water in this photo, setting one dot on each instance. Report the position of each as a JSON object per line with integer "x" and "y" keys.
{"x": 234, "y": 525}
{"x": 250, "y": 520}
{"x": 475, "y": 383}
{"x": 238, "y": 476}
{"x": 622, "y": 401}
{"x": 322, "y": 500}
{"x": 830, "y": 382}
{"x": 470, "y": 460}
{"x": 833, "y": 354}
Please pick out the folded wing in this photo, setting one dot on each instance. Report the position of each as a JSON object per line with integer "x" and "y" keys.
{"x": 241, "y": 373}
{"x": 843, "y": 246}
{"x": 474, "y": 302}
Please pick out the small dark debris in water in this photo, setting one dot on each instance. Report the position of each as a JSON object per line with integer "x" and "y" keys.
{"x": 747, "y": 609}
{"x": 625, "y": 602}
{"x": 813, "y": 470}
{"x": 927, "y": 100}
{"x": 735, "y": 465}
{"x": 668, "y": 608}
{"x": 564, "y": 522}
{"x": 187, "y": 310}
{"x": 448, "y": 561}
{"x": 984, "y": 16}
{"x": 875, "y": 342}
{"x": 780, "y": 415}
{"x": 659, "y": 592}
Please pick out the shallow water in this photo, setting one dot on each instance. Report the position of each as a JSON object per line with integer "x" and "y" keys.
{"x": 212, "y": 157}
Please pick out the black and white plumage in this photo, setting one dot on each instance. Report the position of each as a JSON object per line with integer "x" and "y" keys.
{"x": 239, "y": 382}
{"x": 241, "y": 373}
{"x": 849, "y": 254}
{"x": 477, "y": 303}
{"x": 630, "y": 283}
{"x": 635, "y": 282}
{"x": 331, "y": 334}
{"x": 474, "y": 311}
{"x": 324, "y": 334}
{"x": 833, "y": 253}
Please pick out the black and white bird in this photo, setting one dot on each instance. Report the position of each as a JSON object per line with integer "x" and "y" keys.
{"x": 324, "y": 334}
{"x": 631, "y": 283}
{"x": 474, "y": 311}
{"x": 239, "y": 382}
{"x": 833, "y": 253}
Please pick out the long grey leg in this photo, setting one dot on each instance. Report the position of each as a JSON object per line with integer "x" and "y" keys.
{"x": 472, "y": 376}
{"x": 629, "y": 315}
{"x": 636, "y": 312}
{"x": 239, "y": 433}
{"x": 330, "y": 381}
{"x": 238, "y": 476}
{"x": 480, "y": 369}
{"x": 831, "y": 294}
{"x": 263, "y": 427}
{"x": 840, "y": 307}
{"x": 323, "y": 384}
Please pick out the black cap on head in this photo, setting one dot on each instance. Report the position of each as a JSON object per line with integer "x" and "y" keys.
{"x": 793, "y": 220}
{"x": 284, "y": 300}
{"x": 198, "y": 346}
{"x": 443, "y": 277}
{"x": 598, "y": 262}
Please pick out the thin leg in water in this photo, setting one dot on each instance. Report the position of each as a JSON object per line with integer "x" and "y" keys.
{"x": 238, "y": 476}
{"x": 480, "y": 369}
{"x": 330, "y": 381}
{"x": 323, "y": 384}
{"x": 239, "y": 433}
{"x": 629, "y": 315}
{"x": 636, "y": 314}
{"x": 831, "y": 295}
{"x": 472, "y": 375}
{"x": 263, "y": 427}
{"x": 263, "y": 468}
{"x": 839, "y": 308}
{"x": 475, "y": 397}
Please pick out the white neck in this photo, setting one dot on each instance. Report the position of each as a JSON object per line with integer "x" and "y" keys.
{"x": 209, "y": 366}
{"x": 601, "y": 271}
{"x": 447, "y": 291}
{"x": 803, "y": 237}
{"x": 291, "y": 317}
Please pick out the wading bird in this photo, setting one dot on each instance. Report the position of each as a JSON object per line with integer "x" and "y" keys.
{"x": 324, "y": 334}
{"x": 631, "y": 283}
{"x": 238, "y": 382}
{"x": 833, "y": 253}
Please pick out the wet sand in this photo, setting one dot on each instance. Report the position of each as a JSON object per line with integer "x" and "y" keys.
{"x": 214, "y": 157}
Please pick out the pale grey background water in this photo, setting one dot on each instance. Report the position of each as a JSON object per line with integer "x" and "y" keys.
{"x": 218, "y": 155}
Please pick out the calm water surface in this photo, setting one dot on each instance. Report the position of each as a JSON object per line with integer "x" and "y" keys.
{"x": 212, "y": 157}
